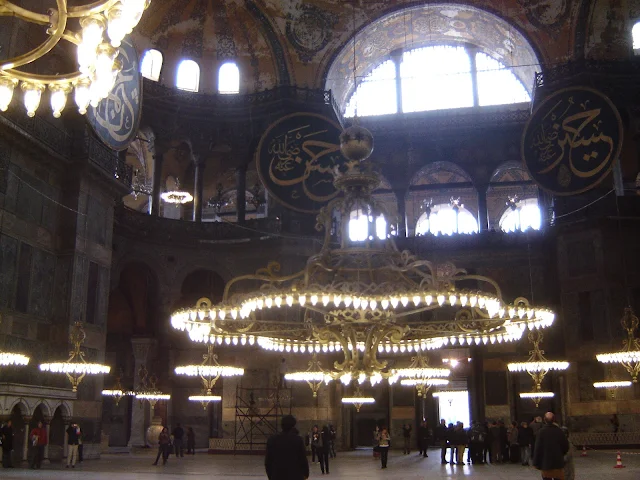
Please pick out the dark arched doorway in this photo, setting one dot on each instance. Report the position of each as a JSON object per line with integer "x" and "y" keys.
{"x": 19, "y": 431}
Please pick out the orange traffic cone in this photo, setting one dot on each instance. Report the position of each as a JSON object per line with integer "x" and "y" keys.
{"x": 619, "y": 461}
{"x": 584, "y": 451}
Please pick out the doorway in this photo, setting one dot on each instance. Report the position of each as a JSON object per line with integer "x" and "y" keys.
{"x": 454, "y": 406}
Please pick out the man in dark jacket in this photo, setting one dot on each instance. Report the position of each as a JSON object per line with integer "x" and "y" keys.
{"x": 423, "y": 438}
{"x": 7, "y": 444}
{"x": 525, "y": 439}
{"x": 441, "y": 438}
{"x": 286, "y": 457}
{"x": 551, "y": 447}
{"x": 406, "y": 435}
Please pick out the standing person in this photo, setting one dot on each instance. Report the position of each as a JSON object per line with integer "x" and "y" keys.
{"x": 38, "y": 437}
{"x": 496, "y": 447}
{"x": 286, "y": 457}
{"x": 164, "y": 443}
{"x": 80, "y": 444}
{"x": 451, "y": 443}
{"x": 441, "y": 438}
{"x": 569, "y": 467}
{"x": 514, "y": 442}
{"x": 178, "y": 440}
{"x": 486, "y": 448}
{"x": 476, "y": 443}
{"x": 376, "y": 435}
{"x": 72, "y": 443}
{"x": 191, "y": 441}
{"x": 315, "y": 441}
{"x": 423, "y": 440}
{"x": 384, "y": 443}
{"x": 323, "y": 449}
{"x": 6, "y": 434}
{"x": 406, "y": 435}
{"x": 551, "y": 447}
{"x": 460, "y": 437}
{"x": 504, "y": 440}
{"x": 525, "y": 438}
{"x": 535, "y": 428}
{"x": 332, "y": 441}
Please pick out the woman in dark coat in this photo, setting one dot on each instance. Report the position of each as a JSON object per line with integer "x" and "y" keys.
{"x": 164, "y": 441}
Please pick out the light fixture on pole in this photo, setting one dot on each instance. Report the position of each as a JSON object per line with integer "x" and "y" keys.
{"x": 629, "y": 356}
{"x": 358, "y": 400}
{"x": 97, "y": 63}
{"x": 537, "y": 366}
{"x": 76, "y": 367}
{"x": 315, "y": 376}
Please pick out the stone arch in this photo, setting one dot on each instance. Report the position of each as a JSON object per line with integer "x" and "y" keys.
{"x": 508, "y": 180}
{"x": 201, "y": 282}
{"x": 56, "y": 434}
{"x": 187, "y": 268}
{"x": 19, "y": 410}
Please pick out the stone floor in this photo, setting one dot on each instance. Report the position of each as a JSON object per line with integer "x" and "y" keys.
{"x": 352, "y": 466}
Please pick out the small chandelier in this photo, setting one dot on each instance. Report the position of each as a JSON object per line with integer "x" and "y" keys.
{"x": 537, "y": 366}
{"x": 97, "y": 63}
{"x": 148, "y": 390}
{"x": 358, "y": 400}
{"x": 209, "y": 370}
{"x": 205, "y": 399}
{"x": 257, "y": 199}
{"x": 315, "y": 376}
{"x": 76, "y": 367}
{"x": 176, "y": 196}
{"x": 139, "y": 187}
{"x": 423, "y": 385}
{"x": 117, "y": 392}
{"x": 219, "y": 201}
{"x": 629, "y": 356}
{"x": 420, "y": 375}
{"x": 13, "y": 359}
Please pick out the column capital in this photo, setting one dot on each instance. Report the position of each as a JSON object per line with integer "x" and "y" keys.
{"x": 142, "y": 346}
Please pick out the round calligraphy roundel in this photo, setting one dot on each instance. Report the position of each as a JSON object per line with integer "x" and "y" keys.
{"x": 296, "y": 159}
{"x": 572, "y": 140}
{"x": 116, "y": 118}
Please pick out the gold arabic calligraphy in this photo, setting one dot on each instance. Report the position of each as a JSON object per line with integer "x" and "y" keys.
{"x": 574, "y": 138}
{"x": 297, "y": 158}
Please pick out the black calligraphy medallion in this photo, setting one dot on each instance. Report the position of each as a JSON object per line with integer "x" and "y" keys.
{"x": 296, "y": 160}
{"x": 116, "y": 118}
{"x": 572, "y": 140}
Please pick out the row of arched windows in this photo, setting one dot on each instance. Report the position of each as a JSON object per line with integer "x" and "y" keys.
{"x": 188, "y": 73}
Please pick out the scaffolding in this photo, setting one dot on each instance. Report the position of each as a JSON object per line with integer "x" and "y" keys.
{"x": 258, "y": 415}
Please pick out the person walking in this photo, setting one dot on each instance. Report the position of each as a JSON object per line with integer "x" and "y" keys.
{"x": 551, "y": 447}
{"x": 38, "y": 437}
{"x": 164, "y": 444}
{"x": 406, "y": 435}
{"x": 441, "y": 438}
{"x": 191, "y": 441}
{"x": 525, "y": 439}
{"x": 514, "y": 442}
{"x": 315, "y": 441}
{"x": 73, "y": 435}
{"x": 178, "y": 440}
{"x": 286, "y": 457}
{"x": 332, "y": 441}
{"x": 6, "y": 434}
{"x": 323, "y": 449}
{"x": 384, "y": 443}
{"x": 423, "y": 438}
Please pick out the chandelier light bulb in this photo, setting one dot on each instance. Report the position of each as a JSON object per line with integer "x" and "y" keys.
{"x": 117, "y": 26}
{"x": 278, "y": 302}
{"x": 440, "y": 299}
{"x": 302, "y": 300}
{"x": 416, "y": 300}
{"x": 356, "y": 302}
{"x": 394, "y": 302}
{"x": 404, "y": 301}
{"x": 268, "y": 302}
{"x": 373, "y": 304}
{"x": 452, "y": 300}
{"x": 384, "y": 303}
{"x": 428, "y": 299}
{"x": 463, "y": 300}
{"x": 32, "y": 95}
{"x": 10, "y": 359}
{"x": 325, "y": 300}
{"x": 132, "y": 11}
{"x": 473, "y": 301}
{"x": 289, "y": 300}
{"x": 337, "y": 300}
{"x": 7, "y": 85}
{"x": 314, "y": 300}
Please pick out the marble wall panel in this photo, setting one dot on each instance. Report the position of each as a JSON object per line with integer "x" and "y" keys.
{"x": 8, "y": 265}
{"x": 41, "y": 285}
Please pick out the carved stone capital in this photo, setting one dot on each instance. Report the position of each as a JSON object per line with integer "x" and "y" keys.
{"x": 142, "y": 346}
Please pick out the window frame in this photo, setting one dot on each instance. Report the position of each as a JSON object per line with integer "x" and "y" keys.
{"x": 144, "y": 55}
{"x": 237, "y": 69}
{"x": 180, "y": 65}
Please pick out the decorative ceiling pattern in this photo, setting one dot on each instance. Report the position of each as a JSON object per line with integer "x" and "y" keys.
{"x": 452, "y": 24}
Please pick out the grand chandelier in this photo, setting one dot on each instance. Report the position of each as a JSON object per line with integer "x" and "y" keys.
{"x": 361, "y": 299}
{"x": 76, "y": 367}
{"x": 358, "y": 400}
{"x": 97, "y": 61}
{"x": 209, "y": 372}
{"x": 537, "y": 366}
{"x": 314, "y": 375}
{"x": 629, "y": 356}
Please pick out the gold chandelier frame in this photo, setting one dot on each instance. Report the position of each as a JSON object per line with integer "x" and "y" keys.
{"x": 629, "y": 356}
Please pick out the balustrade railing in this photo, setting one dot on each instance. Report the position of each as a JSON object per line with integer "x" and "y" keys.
{"x": 605, "y": 439}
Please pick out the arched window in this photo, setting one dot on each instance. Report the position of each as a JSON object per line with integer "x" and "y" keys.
{"x": 635, "y": 34}
{"x": 188, "y": 77}
{"x": 444, "y": 220}
{"x": 151, "y": 65}
{"x": 229, "y": 78}
{"x": 359, "y": 226}
{"x": 434, "y": 78}
{"x": 524, "y": 216}
{"x": 497, "y": 85}
{"x": 379, "y": 84}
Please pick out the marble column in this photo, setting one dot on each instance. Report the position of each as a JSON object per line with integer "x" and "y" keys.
{"x": 25, "y": 439}
{"x": 157, "y": 184}
{"x": 241, "y": 193}
{"x": 143, "y": 348}
{"x": 476, "y": 386}
{"x": 401, "y": 196}
{"x": 198, "y": 187}
{"x": 483, "y": 214}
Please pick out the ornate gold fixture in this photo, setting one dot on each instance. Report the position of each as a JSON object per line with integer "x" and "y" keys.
{"x": 315, "y": 376}
{"x": 629, "y": 356}
{"x": 8, "y": 359}
{"x": 176, "y": 196}
{"x": 147, "y": 390}
{"x": 209, "y": 370}
{"x": 205, "y": 399}
{"x": 98, "y": 65}
{"x": 537, "y": 366}
{"x": 117, "y": 392}
{"x": 420, "y": 375}
{"x": 76, "y": 367}
{"x": 363, "y": 298}
{"x": 358, "y": 400}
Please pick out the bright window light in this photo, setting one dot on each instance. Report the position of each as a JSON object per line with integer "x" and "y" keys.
{"x": 188, "y": 77}
{"x": 435, "y": 78}
{"x": 444, "y": 221}
{"x": 524, "y": 217}
{"x": 635, "y": 34}
{"x": 497, "y": 85}
{"x": 359, "y": 226}
{"x": 151, "y": 65}
{"x": 229, "y": 78}
{"x": 376, "y": 94}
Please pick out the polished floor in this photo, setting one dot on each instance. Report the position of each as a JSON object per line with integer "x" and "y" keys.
{"x": 352, "y": 466}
